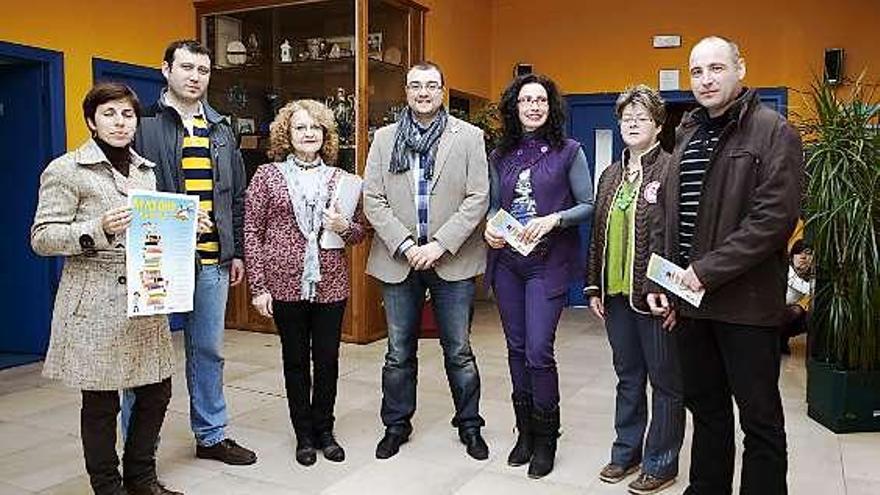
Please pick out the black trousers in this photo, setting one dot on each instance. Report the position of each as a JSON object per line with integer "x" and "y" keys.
{"x": 98, "y": 430}
{"x": 310, "y": 333}
{"x": 719, "y": 360}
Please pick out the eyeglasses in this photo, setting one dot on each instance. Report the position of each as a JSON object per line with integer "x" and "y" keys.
{"x": 526, "y": 101}
{"x": 302, "y": 128}
{"x": 640, "y": 120}
{"x": 431, "y": 87}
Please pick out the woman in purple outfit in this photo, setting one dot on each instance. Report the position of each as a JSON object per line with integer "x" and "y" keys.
{"x": 541, "y": 178}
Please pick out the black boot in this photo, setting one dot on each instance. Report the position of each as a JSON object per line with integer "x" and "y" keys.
{"x": 522, "y": 451}
{"x": 329, "y": 446}
{"x": 545, "y": 428}
{"x": 147, "y": 416}
{"x": 306, "y": 454}
{"x": 98, "y": 432}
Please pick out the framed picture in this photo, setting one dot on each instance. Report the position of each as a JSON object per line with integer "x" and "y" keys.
{"x": 226, "y": 30}
{"x": 374, "y": 46}
{"x": 245, "y": 126}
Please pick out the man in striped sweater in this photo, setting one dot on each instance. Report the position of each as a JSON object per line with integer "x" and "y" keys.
{"x": 727, "y": 207}
{"x": 195, "y": 152}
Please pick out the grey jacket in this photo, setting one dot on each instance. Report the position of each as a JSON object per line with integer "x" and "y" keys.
{"x": 159, "y": 139}
{"x": 459, "y": 200}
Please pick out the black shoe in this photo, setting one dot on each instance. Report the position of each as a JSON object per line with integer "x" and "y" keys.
{"x": 150, "y": 488}
{"x": 390, "y": 445}
{"x": 545, "y": 426}
{"x": 305, "y": 451}
{"x": 476, "y": 446}
{"x": 522, "y": 451}
{"x": 227, "y": 451}
{"x": 330, "y": 447}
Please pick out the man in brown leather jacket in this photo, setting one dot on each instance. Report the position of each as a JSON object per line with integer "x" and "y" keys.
{"x": 727, "y": 207}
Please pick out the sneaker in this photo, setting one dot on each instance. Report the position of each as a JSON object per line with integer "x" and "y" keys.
{"x": 227, "y": 451}
{"x": 612, "y": 473}
{"x": 647, "y": 484}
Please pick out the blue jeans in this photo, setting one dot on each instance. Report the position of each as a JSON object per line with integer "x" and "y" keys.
{"x": 403, "y": 310}
{"x": 203, "y": 339}
{"x": 643, "y": 351}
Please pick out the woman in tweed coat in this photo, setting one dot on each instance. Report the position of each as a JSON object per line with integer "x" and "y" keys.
{"x": 94, "y": 347}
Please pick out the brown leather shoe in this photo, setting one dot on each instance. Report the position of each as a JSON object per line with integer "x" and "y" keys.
{"x": 646, "y": 484}
{"x": 151, "y": 488}
{"x": 227, "y": 451}
{"x": 612, "y": 473}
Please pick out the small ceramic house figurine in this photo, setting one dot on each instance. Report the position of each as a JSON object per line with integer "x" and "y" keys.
{"x": 285, "y": 52}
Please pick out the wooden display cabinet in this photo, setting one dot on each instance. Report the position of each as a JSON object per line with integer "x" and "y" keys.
{"x": 353, "y": 47}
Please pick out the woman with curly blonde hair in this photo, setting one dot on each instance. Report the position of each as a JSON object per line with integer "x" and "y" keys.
{"x": 294, "y": 280}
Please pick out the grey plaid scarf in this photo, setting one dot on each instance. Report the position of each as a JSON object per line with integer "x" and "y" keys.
{"x": 410, "y": 138}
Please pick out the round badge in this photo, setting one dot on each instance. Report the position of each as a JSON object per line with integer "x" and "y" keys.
{"x": 651, "y": 192}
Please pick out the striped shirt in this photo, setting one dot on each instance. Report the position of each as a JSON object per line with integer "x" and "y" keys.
{"x": 199, "y": 181}
{"x": 692, "y": 169}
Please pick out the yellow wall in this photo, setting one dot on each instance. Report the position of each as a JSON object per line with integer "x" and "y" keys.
{"x": 458, "y": 37}
{"x": 125, "y": 31}
{"x": 605, "y": 46}
{"x": 585, "y": 46}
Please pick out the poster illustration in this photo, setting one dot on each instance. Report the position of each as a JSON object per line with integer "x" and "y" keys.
{"x": 160, "y": 253}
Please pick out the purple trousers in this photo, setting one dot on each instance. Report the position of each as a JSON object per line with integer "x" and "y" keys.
{"x": 529, "y": 319}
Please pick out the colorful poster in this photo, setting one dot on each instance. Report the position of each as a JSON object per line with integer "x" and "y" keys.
{"x": 160, "y": 253}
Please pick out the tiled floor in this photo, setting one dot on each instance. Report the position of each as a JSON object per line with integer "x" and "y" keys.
{"x": 40, "y": 449}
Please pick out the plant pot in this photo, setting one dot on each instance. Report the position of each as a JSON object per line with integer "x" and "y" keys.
{"x": 843, "y": 401}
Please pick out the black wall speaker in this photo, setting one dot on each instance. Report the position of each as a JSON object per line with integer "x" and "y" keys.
{"x": 522, "y": 69}
{"x": 833, "y": 65}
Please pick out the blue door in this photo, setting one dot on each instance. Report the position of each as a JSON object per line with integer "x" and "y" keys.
{"x": 593, "y": 123}
{"x": 29, "y": 139}
{"x": 146, "y": 82}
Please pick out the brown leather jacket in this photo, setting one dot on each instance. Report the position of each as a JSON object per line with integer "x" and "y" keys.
{"x": 654, "y": 165}
{"x": 748, "y": 208}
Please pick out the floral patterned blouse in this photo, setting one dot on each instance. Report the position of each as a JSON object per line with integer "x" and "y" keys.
{"x": 274, "y": 245}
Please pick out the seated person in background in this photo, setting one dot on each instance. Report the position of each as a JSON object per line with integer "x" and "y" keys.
{"x": 799, "y": 294}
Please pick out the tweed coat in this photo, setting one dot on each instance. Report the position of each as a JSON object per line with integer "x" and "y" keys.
{"x": 459, "y": 199}
{"x": 94, "y": 345}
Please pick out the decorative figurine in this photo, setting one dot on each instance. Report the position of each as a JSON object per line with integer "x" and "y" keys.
{"x": 285, "y": 52}
{"x": 314, "y": 45}
{"x": 342, "y": 106}
{"x": 335, "y": 51}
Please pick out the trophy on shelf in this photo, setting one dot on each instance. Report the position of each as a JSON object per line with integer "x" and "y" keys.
{"x": 342, "y": 106}
{"x": 254, "y": 56}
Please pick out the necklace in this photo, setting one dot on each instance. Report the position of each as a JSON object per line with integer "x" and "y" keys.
{"x": 304, "y": 164}
{"x": 625, "y": 195}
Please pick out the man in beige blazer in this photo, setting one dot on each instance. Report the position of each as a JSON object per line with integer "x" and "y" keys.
{"x": 426, "y": 190}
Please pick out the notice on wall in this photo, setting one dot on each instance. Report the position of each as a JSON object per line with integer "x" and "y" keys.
{"x": 160, "y": 253}
{"x": 669, "y": 80}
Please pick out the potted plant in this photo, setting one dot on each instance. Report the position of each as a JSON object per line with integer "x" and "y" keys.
{"x": 842, "y": 212}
